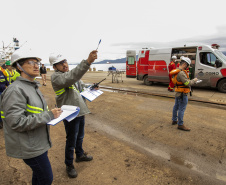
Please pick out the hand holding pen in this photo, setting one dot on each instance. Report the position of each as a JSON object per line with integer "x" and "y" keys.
{"x": 93, "y": 55}
{"x": 56, "y": 112}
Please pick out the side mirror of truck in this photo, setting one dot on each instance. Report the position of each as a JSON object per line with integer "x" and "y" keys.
{"x": 218, "y": 63}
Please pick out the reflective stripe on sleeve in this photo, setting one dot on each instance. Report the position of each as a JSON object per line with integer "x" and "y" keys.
{"x": 186, "y": 83}
{"x": 73, "y": 87}
{"x": 35, "y": 110}
{"x": 59, "y": 92}
{"x": 2, "y": 114}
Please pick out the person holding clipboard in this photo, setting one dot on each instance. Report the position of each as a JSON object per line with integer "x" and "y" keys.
{"x": 25, "y": 115}
{"x": 67, "y": 86}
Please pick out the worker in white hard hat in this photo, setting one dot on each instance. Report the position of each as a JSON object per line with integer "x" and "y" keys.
{"x": 67, "y": 86}
{"x": 188, "y": 69}
{"x": 171, "y": 67}
{"x": 182, "y": 87}
{"x": 25, "y": 115}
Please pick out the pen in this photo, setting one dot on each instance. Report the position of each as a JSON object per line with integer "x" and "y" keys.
{"x": 56, "y": 106}
{"x": 98, "y": 44}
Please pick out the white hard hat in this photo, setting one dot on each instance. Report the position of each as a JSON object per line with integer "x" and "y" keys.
{"x": 55, "y": 58}
{"x": 174, "y": 57}
{"x": 186, "y": 59}
{"x": 22, "y": 54}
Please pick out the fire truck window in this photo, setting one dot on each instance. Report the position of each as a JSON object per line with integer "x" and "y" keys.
{"x": 208, "y": 59}
{"x": 130, "y": 60}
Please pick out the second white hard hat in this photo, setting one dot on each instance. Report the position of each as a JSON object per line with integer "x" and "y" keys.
{"x": 186, "y": 59}
{"x": 174, "y": 57}
{"x": 55, "y": 58}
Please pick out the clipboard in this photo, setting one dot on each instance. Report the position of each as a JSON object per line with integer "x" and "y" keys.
{"x": 69, "y": 113}
{"x": 91, "y": 95}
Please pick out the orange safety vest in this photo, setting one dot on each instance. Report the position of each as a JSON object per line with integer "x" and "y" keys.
{"x": 3, "y": 70}
{"x": 179, "y": 86}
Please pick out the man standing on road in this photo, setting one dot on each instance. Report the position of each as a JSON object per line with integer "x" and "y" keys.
{"x": 182, "y": 87}
{"x": 171, "y": 67}
{"x": 67, "y": 86}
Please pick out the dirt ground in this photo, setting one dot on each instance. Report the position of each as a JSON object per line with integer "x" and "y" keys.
{"x": 133, "y": 142}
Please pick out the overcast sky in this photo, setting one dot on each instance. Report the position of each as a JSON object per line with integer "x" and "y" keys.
{"x": 74, "y": 27}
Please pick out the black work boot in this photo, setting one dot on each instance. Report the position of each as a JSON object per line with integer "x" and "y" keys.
{"x": 84, "y": 157}
{"x": 1, "y": 125}
{"x": 174, "y": 122}
{"x": 71, "y": 172}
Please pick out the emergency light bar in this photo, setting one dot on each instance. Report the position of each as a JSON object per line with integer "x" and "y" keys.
{"x": 215, "y": 46}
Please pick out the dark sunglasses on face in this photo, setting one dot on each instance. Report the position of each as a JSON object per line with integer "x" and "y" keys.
{"x": 62, "y": 62}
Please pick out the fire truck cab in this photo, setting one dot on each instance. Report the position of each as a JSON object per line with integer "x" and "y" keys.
{"x": 208, "y": 64}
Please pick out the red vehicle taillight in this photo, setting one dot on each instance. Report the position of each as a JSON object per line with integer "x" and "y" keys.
{"x": 223, "y": 72}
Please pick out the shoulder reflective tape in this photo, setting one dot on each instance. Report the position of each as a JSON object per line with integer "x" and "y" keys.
{"x": 59, "y": 92}
{"x": 33, "y": 109}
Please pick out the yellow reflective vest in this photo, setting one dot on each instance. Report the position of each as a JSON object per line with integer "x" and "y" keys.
{"x": 9, "y": 75}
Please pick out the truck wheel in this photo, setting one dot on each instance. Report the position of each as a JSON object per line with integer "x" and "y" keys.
{"x": 222, "y": 86}
{"x": 146, "y": 81}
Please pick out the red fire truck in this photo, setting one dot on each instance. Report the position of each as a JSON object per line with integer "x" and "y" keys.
{"x": 208, "y": 64}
